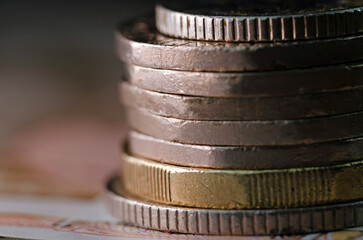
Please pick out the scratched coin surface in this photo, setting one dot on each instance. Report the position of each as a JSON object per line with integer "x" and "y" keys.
{"x": 137, "y": 42}
{"x": 263, "y": 20}
{"x": 252, "y": 108}
{"x": 247, "y": 133}
{"x": 241, "y": 189}
{"x": 270, "y": 222}
{"x": 256, "y": 84}
{"x": 234, "y": 157}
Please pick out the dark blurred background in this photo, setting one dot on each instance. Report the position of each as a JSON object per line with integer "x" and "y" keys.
{"x": 60, "y": 119}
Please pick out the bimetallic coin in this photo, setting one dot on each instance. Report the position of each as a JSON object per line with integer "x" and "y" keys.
{"x": 256, "y": 21}
{"x": 270, "y": 222}
{"x": 241, "y": 189}
{"x": 247, "y": 133}
{"x": 138, "y": 43}
{"x": 229, "y": 157}
{"x": 252, "y": 108}
{"x": 256, "y": 84}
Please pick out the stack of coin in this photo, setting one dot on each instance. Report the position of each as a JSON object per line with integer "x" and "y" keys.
{"x": 246, "y": 117}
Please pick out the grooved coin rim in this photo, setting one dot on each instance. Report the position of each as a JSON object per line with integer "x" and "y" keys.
{"x": 241, "y": 189}
{"x": 289, "y": 27}
{"x": 252, "y": 108}
{"x": 137, "y": 42}
{"x": 160, "y": 217}
{"x": 256, "y": 84}
{"x": 245, "y": 157}
{"x": 247, "y": 133}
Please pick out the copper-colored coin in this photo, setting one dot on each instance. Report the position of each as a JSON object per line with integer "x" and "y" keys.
{"x": 248, "y": 133}
{"x": 142, "y": 213}
{"x": 256, "y": 84}
{"x": 239, "y": 21}
{"x": 229, "y": 157}
{"x": 252, "y": 108}
{"x": 137, "y": 42}
{"x": 241, "y": 189}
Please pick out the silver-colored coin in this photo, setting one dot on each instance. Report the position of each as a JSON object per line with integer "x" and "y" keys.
{"x": 259, "y": 21}
{"x": 252, "y": 108}
{"x": 232, "y": 222}
{"x": 138, "y": 43}
{"x": 256, "y": 84}
{"x": 247, "y": 133}
{"x": 229, "y": 157}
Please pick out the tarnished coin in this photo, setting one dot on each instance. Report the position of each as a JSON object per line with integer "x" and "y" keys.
{"x": 239, "y": 21}
{"x": 241, "y": 189}
{"x": 138, "y": 43}
{"x": 252, "y": 108}
{"x": 247, "y": 133}
{"x": 231, "y": 222}
{"x": 229, "y": 157}
{"x": 256, "y": 84}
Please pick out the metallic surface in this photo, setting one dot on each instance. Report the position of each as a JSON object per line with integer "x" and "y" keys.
{"x": 199, "y": 25}
{"x": 252, "y": 108}
{"x": 231, "y": 222}
{"x": 257, "y": 84}
{"x": 229, "y": 157}
{"x": 247, "y": 133}
{"x": 241, "y": 189}
{"x": 138, "y": 43}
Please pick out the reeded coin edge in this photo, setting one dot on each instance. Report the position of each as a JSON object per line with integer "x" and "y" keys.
{"x": 259, "y": 28}
{"x": 138, "y": 43}
{"x": 233, "y": 222}
{"x": 275, "y": 188}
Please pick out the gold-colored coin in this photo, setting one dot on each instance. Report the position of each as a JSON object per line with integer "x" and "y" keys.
{"x": 240, "y": 189}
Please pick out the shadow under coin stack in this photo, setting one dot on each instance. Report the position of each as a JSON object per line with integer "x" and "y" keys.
{"x": 246, "y": 118}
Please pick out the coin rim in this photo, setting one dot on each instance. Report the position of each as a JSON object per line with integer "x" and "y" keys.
{"x": 289, "y": 27}
{"x": 265, "y": 189}
{"x": 160, "y": 217}
{"x": 248, "y": 158}
{"x": 217, "y": 84}
{"x": 246, "y": 133}
{"x": 138, "y": 47}
{"x": 241, "y": 109}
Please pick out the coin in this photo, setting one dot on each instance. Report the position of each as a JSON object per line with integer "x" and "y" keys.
{"x": 247, "y": 133}
{"x": 229, "y": 157}
{"x": 231, "y": 222}
{"x": 238, "y": 21}
{"x": 256, "y": 84}
{"x": 138, "y": 43}
{"x": 241, "y": 189}
{"x": 252, "y": 108}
